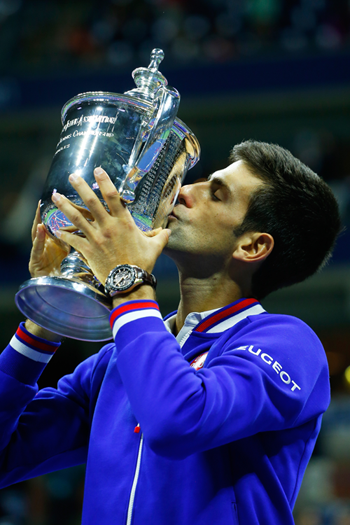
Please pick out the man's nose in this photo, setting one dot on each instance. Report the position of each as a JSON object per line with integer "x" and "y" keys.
{"x": 185, "y": 196}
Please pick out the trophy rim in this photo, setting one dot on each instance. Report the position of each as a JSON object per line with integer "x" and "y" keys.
{"x": 143, "y": 105}
{"x": 103, "y": 96}
{"x": 195, "y": 152}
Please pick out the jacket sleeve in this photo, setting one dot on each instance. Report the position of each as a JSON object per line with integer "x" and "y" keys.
{"x": 41, "y": 430}
{"x": 271, "y": 375}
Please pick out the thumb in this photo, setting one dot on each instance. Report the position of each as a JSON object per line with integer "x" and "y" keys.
{"x": 39, "y": 239}
{"x": 152, "y": 233}
{"x": 161, "y": 237}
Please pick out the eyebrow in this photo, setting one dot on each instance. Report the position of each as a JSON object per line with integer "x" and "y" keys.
{"x": 219, "y": 182}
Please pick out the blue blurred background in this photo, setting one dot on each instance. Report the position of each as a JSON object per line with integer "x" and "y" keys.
{"x": 272, "y": 70}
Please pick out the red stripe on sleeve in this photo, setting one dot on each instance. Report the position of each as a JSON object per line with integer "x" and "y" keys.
{"x": 39, "y": 345}
{"x": 129, "y": 307}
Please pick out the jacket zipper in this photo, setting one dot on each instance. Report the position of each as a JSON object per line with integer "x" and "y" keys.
{"x": 138, "y": 463}
{"x": 185, "y": 337}
{"x": 134, "y": 484}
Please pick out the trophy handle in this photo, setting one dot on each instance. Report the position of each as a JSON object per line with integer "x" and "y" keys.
{"x": 169, "y": 100}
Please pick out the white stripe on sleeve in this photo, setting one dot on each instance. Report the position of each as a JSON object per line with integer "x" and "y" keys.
{"x": 134, "y": 316}
{"x": 25, "y": 350}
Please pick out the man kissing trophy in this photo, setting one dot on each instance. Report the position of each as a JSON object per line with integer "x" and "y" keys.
{"x": 137, "y": 139}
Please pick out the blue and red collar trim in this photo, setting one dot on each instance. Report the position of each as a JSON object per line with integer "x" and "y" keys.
{"x": 243, "y": 306}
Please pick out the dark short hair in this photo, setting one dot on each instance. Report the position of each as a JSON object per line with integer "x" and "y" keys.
{"x": 296, "y": 207}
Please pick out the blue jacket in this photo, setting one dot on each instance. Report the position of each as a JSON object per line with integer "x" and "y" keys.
{"x": 216, "y": 431}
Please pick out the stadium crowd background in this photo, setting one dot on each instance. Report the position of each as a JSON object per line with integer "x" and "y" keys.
{"x": 38, "y": 34}
{"x": 267, "y": 69}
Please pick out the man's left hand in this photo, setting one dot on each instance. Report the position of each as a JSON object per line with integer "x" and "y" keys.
{"x": 111, "y": 238}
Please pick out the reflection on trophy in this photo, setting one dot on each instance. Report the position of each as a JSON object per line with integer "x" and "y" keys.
{"x": 137, "y": 139}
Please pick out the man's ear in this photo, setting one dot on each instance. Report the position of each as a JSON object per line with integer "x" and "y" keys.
{"x": 253, "y": 247}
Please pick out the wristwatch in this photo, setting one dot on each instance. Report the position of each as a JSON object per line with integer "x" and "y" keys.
{"x": 125, "y": 277}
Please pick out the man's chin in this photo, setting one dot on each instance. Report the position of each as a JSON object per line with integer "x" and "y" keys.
{"x": 173, "y": 242}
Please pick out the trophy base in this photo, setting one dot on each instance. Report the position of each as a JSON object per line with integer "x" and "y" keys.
{"x": 66, "y": 307}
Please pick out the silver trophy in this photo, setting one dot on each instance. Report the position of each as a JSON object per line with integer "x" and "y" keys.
{"x": 137, "y": 139}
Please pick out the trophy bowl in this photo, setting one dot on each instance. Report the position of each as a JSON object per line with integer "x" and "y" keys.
{"x": 137, "y": 139}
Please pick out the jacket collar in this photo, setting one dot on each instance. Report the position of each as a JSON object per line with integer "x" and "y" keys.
{"x": 215, "y": 321}
{"x": 226, "y": 317}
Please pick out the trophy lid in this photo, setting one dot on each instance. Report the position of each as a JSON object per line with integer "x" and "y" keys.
{"x": 148, "y": 79}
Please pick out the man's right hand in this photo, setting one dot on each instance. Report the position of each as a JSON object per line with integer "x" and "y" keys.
{"x": 47, "y": 253}
{"x": 45, "y": 259}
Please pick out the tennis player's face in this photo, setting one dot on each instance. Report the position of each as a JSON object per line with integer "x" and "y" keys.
{"x": 203, "y": 221}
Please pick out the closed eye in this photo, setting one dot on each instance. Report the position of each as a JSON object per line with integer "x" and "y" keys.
{"x": 214, "y": 195}
{"x": 218, "y": 188}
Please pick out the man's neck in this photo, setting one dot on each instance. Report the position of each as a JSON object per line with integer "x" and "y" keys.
{"x": 200, "y": 295}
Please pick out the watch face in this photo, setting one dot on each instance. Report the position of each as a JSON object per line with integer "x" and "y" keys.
{"x": 123, "y": 278}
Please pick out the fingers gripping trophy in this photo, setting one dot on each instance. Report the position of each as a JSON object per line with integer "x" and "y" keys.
{"x": 146, "y": 151}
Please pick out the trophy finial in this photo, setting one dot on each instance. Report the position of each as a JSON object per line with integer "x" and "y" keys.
{"x": 148, "y": 79}
{"x": 157, "y": 56}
